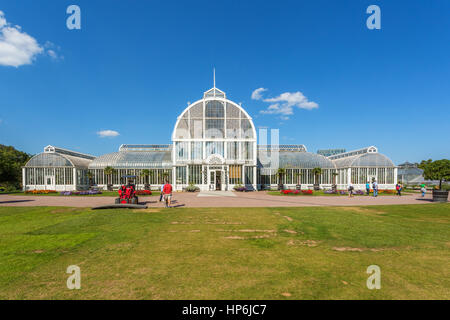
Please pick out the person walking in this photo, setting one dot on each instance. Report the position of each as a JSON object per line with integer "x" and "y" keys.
{"x": 167, "y": 194}
{"x": 350, "y": 190}
{"x": 423, "y": 189}
{"x": 368, "y": 188}
{"x": 375, "y": 189}
{"x": 162, "y": 193}
{"x": 399, "y": 188}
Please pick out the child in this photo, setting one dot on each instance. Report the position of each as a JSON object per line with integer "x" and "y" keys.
{"x": 375, "y": 189}
{"x": 350, "y": 190}
{"x": 423, "y": 189}
{"x": 162, "y": 193}
{"x": 399, "y": 188}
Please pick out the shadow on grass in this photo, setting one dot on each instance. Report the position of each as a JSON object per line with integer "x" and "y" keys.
{"x": 426, "y": 200}
{"x": 14, "y": 201}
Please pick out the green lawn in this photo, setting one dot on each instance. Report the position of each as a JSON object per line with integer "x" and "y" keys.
{"x": 226, "y": 253}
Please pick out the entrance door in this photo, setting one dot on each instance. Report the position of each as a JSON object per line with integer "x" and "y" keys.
{"x": 50, "y": 183}
{"x": 218, "y": 180}
{"x": 212, "y": 180}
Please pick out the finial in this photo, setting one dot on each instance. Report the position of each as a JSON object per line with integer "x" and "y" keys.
{"x": 214, "y": 70}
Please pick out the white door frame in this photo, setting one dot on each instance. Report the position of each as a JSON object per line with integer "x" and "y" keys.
{"x": 52, "y": 183}
{"x": 212, "y": 183}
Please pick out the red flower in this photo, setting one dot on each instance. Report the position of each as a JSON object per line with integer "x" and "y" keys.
{"x": 143, "y": 192}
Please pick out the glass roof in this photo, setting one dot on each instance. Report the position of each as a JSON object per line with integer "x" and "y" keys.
{"x": 214, "y": 119}
{"x": 50, "y": 159}
{"x": 365, "y": 160}
{"x": 283, "y": 147}
{"x": 296, "y": 160}
{"x": 371, "y": 149}
{"x": 145, "y": 147}
{"x": 214, "y": 92}
{"x": 133, "y": 160}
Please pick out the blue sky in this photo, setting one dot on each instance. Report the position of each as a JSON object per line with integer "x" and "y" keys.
{"x": 135, "y": 65}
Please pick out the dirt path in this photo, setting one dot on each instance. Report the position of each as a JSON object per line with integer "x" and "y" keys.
{"x": 249, "y": 199}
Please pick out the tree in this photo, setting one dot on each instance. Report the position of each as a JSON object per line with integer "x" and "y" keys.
{"x": 436, "y": 170}
{"x": 281, "y": 172}
{"x": 335, "y": 174}
{"x": 90, "y": 175}
{"x": 109, "y": 171}
{"x": 151, "y": 176}
{"x": 145, "y": 174}
{"x": 298, "y": 176}
{"x": 11, "y": 163}
{"x": 316, "y": 172}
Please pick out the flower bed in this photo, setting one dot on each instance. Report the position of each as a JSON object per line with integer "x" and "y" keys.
{"x": 387, "y": 191}
{"x": 296, "y": 192}
{"x": 80, "y": 193}
{"x": 40, "y": 191}
{"x": 240, "y": 188}
{"x": 143, "y": 193}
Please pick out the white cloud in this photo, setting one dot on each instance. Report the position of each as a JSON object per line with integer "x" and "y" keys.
{"x": 284, "y": 104}
{"x": 257, "y": 94}
{"x": 278, "y": 109}
{"x": 294, "y": 99}
{"x": 2, "y": 19}
{"x": 17, "y": 48}
{"x": 107, "y": 133}
{"x": 53, "y": 50}
{"x": 52, "y": 54}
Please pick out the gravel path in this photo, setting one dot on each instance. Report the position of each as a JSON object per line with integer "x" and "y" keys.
{"x": 248, "y": 199}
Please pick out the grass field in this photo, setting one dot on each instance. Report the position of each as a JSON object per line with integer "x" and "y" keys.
{"x": 226, "y": 253}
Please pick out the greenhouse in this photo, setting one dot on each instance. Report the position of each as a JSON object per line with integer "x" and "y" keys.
{"x": 365, "y": 165}
{"x": 411, "y": 174}
{"x": 297, "y": 164}
{"x": 132, "y": 160}
{"x": 56, "y": 169}
{"x": 214, "y": 147}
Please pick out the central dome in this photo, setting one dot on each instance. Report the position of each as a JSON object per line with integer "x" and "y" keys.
{"x": 214, "y": 117}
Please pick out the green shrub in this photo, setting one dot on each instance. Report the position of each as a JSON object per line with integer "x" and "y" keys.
{"x": 192, "y": 188}
{"x": 8, "y": 187}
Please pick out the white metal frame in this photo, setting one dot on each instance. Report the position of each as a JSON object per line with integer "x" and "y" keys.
{"x": 206, "y": 161}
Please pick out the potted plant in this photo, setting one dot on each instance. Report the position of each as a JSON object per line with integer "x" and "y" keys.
{"x": 240, "y": 188}
{"x": 145, "y": 174}
{"x": 281, "y": 172}
{"x": 299, "y": 185}
{"x": 192, "y": 188}
{"x": 437, "y": 170}
{"x": 109, "y": 171}
{"x": 316, "y": 172}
